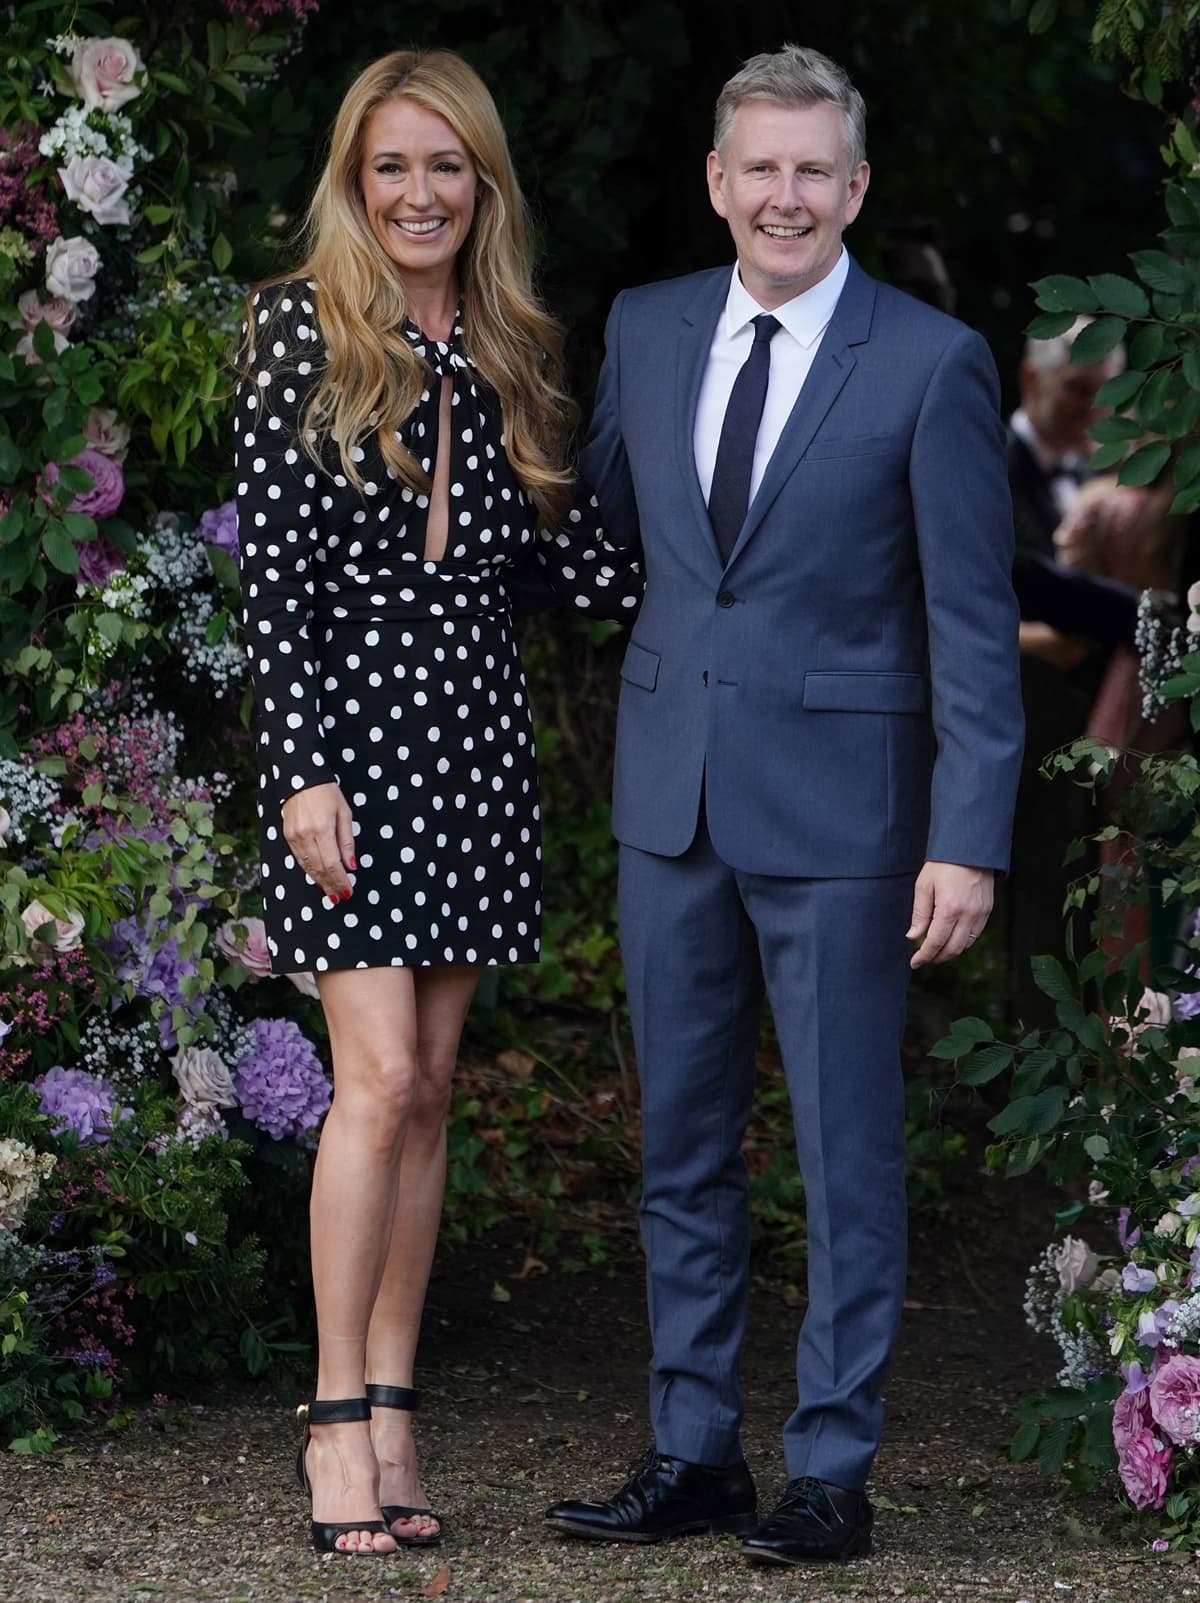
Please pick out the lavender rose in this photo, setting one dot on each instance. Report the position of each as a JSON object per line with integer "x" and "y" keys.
{"x": 244, "y": 941}
{"x": 66, "y": 933}
{"x": 1175, "y": 1398}
{"x": 203, "y": 1077}
{"x": 103, "y": 72}
{"x": 108, "y": 483}
{"x": 1143, "y": 1467}
{"x": 1076, "y": 1264}
{"x": 105, "y": 434}
{"x": 99, "y": 559}
{"x": 97, "y": 186}
{"x": 80, "y": 1102}
{"x": 71, "y": 268}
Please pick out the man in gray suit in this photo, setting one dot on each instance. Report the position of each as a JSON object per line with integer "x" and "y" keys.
{"x": 818, "y": 746}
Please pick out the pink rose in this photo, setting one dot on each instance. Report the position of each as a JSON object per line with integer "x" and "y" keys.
{"x": 244, "y": 941}
{"x": 1154, "y": 1009}
{"x": 1076, "y": 1264}
{"x": 97, "y": 186}
{"x": 24, "y": 347}
{"x": 105, "y": 434}
{"x": 32, "y": 310}
{"x": 103, "y": 71}
{"x": 1131, "y": 1417}
{"x": 67, "y": 933}
{"x": 71, "y": 268}
{"x": 1143, "y": 1468}
{"x": 108, "y": 484}
{"x": 1175, "y": 1398}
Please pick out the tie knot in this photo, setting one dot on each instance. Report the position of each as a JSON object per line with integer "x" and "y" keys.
{"x": 764, "y": 327}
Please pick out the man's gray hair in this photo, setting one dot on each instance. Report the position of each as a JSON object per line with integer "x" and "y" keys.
{"x": 795, "y": 76}
{"x": 1048, "y": 356}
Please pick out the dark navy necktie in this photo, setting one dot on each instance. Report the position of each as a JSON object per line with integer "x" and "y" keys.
{"x": 729, "y": 497}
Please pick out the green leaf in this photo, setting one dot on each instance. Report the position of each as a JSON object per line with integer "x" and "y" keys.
{"x": 1187, "y": 466}
{"x": 986, "y": 1065}
{"x": 1120, "y": 295}
{"x": 60, "y": 550}
{"x": 1145, "y": 465}
{"x": 1107, "y": 456}
{"x": 1060, "y": 293}
{"x": 1162, "y": 272}
{"x": 1042, "y": 14}
{"x": 1191, "y": 368}
{"x": 222, "y": 253}
{"x": 1049, "y": 325}
{"x": 1096, "y": 1147}
{"x": 10, "y": 459}
{"x": 1095, "y": 341}
{"x": 1119, "y": 391}
{"x": 1031, "y": 1115}
{"x": 1050, "y": 978}
{"x": 1144, "y": 349}
{"x": 1024, "y": 1442}
{"x": 1107, "y": 429}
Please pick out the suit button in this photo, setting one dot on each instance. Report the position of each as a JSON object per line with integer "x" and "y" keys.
{"x": 726, "y": 598}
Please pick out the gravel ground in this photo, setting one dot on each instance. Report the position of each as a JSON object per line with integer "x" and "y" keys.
{"x": 542, "y": 1396}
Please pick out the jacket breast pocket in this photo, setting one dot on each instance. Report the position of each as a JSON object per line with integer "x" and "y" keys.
{"x": 640, "y": 666}
{"x": 866, "y": 692}
{"x": 855, "y": 445}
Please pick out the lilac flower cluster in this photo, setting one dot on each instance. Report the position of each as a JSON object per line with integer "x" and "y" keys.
{"x": 260, "y": 14}
{"x": 218, "y": 526}
{"x": 82, "y": 1103}
{"x": 24, "y": 206}
{"x": 279, "y": 1080}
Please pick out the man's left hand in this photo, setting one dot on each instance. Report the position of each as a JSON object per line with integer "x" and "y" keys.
{"x": 951, "y": 904}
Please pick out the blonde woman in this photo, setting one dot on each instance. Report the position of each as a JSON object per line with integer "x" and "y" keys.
{"x": 400, "y": 452}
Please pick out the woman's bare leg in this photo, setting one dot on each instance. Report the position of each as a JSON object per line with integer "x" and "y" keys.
{"x": 443, "y": 996}
{"x": 372, "y": 1020}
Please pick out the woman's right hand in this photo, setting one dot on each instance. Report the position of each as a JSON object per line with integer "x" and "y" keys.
{"x": 318, "y": 827}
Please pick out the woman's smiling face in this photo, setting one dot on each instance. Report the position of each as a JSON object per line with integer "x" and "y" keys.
{"x": 419, "y": 187}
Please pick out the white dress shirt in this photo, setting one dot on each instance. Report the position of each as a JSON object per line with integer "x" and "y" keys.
{"x": 803, "y": 320}
{"x": 1063, "y": 472}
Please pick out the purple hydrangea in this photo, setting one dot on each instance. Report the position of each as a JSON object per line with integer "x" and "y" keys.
{"x": 218, "y": 526}
{"x": 81, "y": 1102}
{"x": 99, "y": 559}
{"x": 279, "y": 1080}
{"x": 157, "y": 972}
{"x": 1186, "y": 1004}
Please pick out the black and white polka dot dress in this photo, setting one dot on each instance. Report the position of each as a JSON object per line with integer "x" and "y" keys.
{"x": 396, "y": 677}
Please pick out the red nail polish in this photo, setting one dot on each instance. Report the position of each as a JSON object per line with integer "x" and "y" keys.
{"x": 352, "y": 864}
{"x": 346, "y": 895}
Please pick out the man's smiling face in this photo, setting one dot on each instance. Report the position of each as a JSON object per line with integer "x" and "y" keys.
{"x": 782, "y": 184}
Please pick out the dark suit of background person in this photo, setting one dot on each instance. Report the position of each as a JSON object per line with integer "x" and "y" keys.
{"x": 802, "y": 725}
{"x": 1047, "y": 458}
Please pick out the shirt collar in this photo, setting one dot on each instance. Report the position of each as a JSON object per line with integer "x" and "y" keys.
{"x": 806, "y": 316}
{"x": 1049, "y": 461}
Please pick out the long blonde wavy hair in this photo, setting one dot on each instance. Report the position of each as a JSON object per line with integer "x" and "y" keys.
{"x": 373, "y": 378}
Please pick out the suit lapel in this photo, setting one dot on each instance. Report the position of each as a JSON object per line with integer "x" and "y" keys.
{"x": 850, "y": 325}
{"x": 695, "y": 341}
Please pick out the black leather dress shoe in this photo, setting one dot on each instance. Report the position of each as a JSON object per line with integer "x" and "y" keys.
{"x": 814, "y": 1522}
{"x": 664, "y": 1497}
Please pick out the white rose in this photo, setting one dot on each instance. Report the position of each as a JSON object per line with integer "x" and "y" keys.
{"x": 5, "y": 825}
{"x": 105, "y": 434}
{"x": 67, "y": 932}
{"x": 1076, "y": 1264}
{"x": 203, "y": 1077}
{"x": 1169, "y": 1225}
{"x": 97, "y": 186}
{"x": 71, "y": 267}
{"x": 21, "y": 1172}
{"x": 103, "y": 71}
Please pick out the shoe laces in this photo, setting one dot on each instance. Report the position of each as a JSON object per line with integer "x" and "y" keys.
{"x": 808, "y": 1493}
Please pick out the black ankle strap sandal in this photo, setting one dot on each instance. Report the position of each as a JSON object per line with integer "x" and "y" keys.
{"x": 408, "y": 1401}
{"x": 341, "y": 1411}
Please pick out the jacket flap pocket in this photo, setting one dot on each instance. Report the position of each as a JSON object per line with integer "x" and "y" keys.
{"x": 640, "y": 666}
{"x": 853, "y": 445}
{"x": 866, "y": 692}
